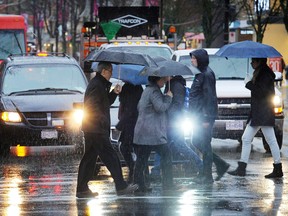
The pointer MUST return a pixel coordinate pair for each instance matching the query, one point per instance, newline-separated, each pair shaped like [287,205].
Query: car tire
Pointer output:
[279,138]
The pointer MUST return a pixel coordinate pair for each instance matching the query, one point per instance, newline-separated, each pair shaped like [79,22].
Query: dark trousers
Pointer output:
[143,152]
[202,138]
[99,145]
[126,149]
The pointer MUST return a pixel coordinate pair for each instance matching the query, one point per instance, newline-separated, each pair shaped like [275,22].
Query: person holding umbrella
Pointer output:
[96,128]
[127,114]
[176,114]
[150,132]
[204,109]
[261,117]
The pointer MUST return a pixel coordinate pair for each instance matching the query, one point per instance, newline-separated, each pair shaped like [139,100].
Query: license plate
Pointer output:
[234,125]
[49,134]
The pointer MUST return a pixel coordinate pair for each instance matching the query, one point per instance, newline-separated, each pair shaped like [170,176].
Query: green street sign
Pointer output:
[110,29]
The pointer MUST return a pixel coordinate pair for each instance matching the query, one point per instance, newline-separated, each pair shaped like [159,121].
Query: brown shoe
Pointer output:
[128,190]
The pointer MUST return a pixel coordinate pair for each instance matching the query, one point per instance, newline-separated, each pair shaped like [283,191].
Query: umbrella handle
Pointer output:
[119,70]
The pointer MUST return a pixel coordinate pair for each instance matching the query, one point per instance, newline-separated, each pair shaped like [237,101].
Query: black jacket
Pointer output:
[203,98]
[262,93]
[97,101]
[128,113]
[177,87]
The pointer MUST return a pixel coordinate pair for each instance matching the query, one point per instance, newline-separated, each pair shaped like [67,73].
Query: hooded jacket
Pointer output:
[262,93]
[203,98]
[177,87]
[97,101]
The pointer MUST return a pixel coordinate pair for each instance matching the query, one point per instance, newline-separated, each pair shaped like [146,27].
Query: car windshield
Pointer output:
[231,68]
[44,76]
[149,50]
[12,42]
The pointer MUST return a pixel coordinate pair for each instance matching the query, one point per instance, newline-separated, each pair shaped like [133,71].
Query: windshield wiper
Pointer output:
[5,51]
[45,89]
[18,43]
[231,78]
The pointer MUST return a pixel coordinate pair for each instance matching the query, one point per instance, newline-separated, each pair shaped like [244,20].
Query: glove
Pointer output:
[247,78]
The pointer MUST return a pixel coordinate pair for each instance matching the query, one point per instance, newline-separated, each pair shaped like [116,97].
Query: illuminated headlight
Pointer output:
[10,117]
[78,116]
[277,101]
[186,126]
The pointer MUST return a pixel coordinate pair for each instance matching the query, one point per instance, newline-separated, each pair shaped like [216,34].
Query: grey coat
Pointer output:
[151,125]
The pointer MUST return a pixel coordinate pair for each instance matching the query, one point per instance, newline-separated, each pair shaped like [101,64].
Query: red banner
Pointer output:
[152,3]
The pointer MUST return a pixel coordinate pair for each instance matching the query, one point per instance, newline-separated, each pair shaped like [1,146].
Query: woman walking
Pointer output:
[261,117]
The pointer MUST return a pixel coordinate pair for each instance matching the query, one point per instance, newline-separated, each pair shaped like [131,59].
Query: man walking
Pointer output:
[96,128]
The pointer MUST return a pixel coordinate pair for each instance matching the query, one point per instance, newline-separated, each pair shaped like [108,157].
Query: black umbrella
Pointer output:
[121,57]
[168,67]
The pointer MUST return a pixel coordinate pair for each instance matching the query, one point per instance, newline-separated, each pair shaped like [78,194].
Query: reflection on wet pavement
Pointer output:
[45,185]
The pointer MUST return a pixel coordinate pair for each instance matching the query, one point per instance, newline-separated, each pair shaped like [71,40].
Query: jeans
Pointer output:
[156,165]
[179,146]
[202,137]
[269,134]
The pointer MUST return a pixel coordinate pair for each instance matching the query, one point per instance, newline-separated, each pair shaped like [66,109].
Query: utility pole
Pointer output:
[226,22]
[91,10]
[56,27]
[161,18]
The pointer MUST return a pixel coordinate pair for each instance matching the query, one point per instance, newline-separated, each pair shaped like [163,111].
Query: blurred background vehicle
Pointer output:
[13,35]
[41,102]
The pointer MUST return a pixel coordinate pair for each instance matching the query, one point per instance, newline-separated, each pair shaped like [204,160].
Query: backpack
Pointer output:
[186,100]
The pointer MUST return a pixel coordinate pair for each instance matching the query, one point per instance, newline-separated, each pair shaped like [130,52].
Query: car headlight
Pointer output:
[186,126]
[78,116]
[11,117]
[277,101]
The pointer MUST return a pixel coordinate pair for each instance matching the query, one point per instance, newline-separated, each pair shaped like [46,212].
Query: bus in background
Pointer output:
[13,38]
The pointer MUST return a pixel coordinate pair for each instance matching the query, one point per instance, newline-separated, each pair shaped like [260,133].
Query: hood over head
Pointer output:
[178,78]
[202,58]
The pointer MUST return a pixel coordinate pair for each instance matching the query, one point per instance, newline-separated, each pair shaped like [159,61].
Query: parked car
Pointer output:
[41,102]
[233,97]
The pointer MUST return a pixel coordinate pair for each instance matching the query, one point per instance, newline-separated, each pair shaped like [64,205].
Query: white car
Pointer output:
[151,48]
[233,97]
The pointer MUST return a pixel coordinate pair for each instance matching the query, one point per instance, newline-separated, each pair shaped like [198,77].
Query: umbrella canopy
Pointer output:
[121,57]
[248,49]
[127,73]
[168,67]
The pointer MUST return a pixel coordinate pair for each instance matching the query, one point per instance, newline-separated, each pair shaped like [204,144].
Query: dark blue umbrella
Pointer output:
[127,73]
[247,49]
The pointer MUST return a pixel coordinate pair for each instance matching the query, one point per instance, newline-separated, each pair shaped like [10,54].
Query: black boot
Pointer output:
[240,171]
[277,171]
[221,170]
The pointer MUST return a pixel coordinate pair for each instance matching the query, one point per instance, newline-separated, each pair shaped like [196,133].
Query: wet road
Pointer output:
[45,185]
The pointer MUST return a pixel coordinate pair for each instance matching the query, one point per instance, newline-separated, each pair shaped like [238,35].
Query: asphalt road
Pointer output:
[45,185]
